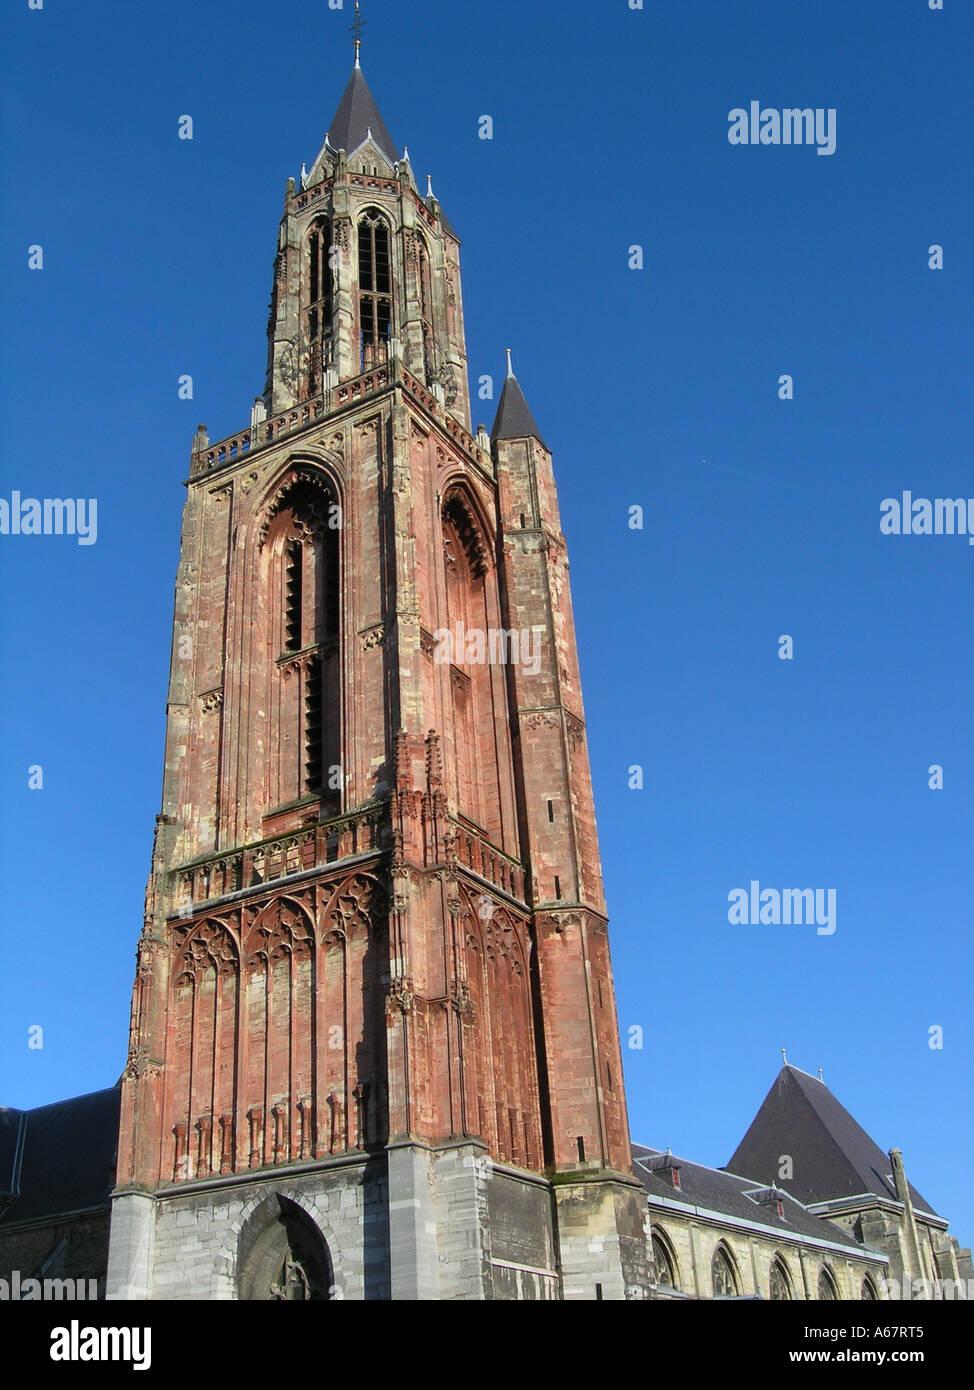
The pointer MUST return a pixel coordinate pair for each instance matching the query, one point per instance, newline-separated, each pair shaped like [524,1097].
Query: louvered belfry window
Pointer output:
[293,596]
[320,291]
[319,280]
[375,289]
[304,701]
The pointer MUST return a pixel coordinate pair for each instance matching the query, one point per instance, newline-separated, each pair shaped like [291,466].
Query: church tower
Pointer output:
[374,1050]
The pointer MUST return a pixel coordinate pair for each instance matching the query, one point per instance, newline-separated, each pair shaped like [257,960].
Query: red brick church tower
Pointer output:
[374,1050]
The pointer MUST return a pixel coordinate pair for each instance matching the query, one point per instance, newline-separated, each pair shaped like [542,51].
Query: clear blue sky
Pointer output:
[656,387]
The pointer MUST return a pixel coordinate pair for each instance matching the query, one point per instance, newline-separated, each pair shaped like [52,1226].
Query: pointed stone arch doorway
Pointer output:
[286,1258]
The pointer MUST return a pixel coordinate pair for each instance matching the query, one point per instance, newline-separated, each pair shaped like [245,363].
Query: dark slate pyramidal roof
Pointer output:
[833,1156]
[358,114]
[514,419]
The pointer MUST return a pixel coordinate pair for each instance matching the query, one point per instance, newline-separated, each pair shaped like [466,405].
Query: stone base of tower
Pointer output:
[413,1223]
[465,1228]
[130,1246]
[603,1245]
[213,1239]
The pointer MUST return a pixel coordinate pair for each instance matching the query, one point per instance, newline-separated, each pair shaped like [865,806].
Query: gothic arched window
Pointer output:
[665,1263]
[722,1274]
[465,556]
[303,614]
[780,1283]
[826,1286]
[320,289]
[375,288]
[868,1292]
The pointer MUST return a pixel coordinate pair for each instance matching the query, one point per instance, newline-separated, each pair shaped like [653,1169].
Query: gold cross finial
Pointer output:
[356,29]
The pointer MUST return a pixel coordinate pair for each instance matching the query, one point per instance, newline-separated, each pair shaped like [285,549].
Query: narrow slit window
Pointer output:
[426,309]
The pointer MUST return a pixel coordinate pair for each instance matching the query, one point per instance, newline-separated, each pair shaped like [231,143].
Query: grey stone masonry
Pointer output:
[185,1243]
[413,1223]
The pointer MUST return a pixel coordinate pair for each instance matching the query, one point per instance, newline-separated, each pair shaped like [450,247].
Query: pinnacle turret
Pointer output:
[514,419]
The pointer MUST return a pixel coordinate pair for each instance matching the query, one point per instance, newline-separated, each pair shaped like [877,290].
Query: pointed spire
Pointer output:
[514,419]
[358,118]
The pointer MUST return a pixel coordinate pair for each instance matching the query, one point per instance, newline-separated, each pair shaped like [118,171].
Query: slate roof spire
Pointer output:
[514,419]
[357,118]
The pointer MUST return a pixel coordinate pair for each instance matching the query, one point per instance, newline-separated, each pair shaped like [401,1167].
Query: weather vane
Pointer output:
[356,29]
